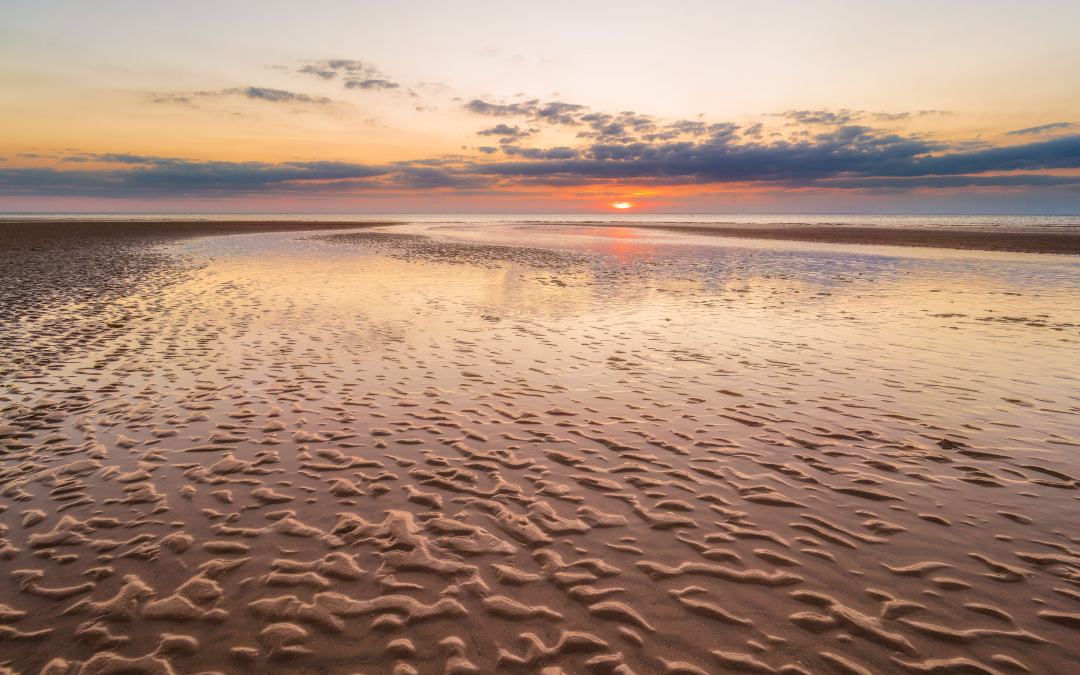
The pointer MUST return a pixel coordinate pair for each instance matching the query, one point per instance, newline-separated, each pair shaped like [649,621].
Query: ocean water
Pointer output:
[768,219]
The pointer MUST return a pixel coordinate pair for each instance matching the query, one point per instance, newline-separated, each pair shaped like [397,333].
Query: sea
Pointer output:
[719,219]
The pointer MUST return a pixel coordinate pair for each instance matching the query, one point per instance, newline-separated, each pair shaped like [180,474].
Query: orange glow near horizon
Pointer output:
[622,205]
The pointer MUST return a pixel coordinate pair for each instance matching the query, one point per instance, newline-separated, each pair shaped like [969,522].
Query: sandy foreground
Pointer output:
[442,449]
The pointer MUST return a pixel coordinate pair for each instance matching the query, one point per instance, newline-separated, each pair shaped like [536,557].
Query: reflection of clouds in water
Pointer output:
[785,290]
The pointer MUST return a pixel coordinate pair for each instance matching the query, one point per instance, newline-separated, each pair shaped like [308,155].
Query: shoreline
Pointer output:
[13,231]
[1012,240]
[1051,240]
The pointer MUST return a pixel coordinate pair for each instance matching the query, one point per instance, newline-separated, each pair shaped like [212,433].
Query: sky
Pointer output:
[772,106]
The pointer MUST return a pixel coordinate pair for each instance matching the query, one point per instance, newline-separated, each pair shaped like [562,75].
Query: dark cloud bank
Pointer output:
[821,149]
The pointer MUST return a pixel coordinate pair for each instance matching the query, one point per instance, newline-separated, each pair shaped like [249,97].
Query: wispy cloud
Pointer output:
[898,117]
[821,117]
[938,182]
[252,93]
[1045,128]
[150,176]
[524,109]
[845,116]
[561,152]
[275,95]
[354,74]
[329,69]
[371,84]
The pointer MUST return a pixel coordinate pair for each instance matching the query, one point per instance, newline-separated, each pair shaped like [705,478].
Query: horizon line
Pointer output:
[529,213]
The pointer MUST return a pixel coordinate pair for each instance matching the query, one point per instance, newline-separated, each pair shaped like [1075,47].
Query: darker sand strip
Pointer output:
[1060,240]
[42,232]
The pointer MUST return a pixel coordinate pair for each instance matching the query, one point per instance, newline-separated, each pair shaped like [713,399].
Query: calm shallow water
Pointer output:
[600,449]
[879,220]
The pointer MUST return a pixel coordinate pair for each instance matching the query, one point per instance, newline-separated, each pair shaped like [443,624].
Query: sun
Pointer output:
[622,205]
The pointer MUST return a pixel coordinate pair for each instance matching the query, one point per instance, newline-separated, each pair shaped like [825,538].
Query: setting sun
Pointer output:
[622,205]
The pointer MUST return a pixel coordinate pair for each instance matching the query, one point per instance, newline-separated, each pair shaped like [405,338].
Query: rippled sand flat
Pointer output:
[536,448]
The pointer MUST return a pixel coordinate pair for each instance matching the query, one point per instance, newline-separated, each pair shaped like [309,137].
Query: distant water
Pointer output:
[749,219]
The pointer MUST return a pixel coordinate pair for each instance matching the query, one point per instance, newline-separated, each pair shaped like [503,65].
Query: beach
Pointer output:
[1055,240]
[555,447]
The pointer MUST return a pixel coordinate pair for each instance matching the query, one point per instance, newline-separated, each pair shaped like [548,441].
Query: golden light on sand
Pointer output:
[622,205]
[623,318]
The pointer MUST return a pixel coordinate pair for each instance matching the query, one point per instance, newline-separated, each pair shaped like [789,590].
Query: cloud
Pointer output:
[821,117]
[555,112]
[275,95]
[558,112]
[330,68]
[114,158]
[166,176]
[150,176]
[624,124]
[1059,153]
[508,131]
[845,116]
[423,178]
[356,74]
[623,127]
[846,152]
[536,153]
[1056,126]
[433,87]
[899,117]
[526,109]
[251,93]
[371,84]
[754,130]
[173,98]
[613,149]
[938,182]
[891,117]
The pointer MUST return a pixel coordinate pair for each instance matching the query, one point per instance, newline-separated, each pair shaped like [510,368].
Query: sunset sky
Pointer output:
[430,106]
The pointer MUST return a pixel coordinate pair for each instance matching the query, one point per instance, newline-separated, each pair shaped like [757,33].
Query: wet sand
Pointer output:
[17,233]
[1061,240]
[400,450]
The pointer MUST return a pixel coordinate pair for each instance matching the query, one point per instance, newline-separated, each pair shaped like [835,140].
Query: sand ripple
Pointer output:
[395,454]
